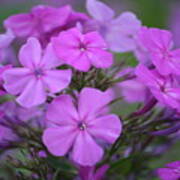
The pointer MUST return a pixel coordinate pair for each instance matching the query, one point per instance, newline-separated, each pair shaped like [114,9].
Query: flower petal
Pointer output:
[30,53]
[92,101]
[100,58]
[85,150]
[59,140]
[99,10]
[107,128]
[62,110]
[56,80]
[16,79]
[33,94]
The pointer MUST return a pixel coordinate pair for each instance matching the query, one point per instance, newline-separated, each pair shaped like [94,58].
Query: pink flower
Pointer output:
[159,43]
[37,77]
[119,32]
[77,127]
[170,172]
[41,19]
[164,89]
[82,50]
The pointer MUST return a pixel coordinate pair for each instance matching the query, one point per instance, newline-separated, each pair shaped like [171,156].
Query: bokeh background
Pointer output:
[154,13]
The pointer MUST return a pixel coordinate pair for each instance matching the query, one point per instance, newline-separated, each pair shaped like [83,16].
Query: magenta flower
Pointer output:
[37,77]
[82,50]
[79,127]
[41,19]
[119,32]
[170,172]
[159,43]
[164,89]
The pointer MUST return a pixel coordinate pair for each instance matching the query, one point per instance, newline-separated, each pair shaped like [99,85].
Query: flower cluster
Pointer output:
[62,85]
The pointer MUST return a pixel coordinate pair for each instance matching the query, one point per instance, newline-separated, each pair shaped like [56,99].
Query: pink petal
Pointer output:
[30,53]
[174,164]
[107,128]
[94,40]
[56,80]
[154,38]
[99,10]
[82,62]
[59,140]
[92,101]
[33,94]
[63,107]
[51,17]
[85,150]
[167,174]
[50,60]
[100,58]
[16,79]
[22,25]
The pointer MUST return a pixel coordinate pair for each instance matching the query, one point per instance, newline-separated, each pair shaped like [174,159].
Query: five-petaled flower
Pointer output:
[37,77]
[81,127]
[82,50]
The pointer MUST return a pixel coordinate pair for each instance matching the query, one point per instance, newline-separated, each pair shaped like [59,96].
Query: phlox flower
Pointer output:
[164,89]
[79,127]
[37,77]
[41,19]
[170,172]
[82,50]
[159,44]
[119,32]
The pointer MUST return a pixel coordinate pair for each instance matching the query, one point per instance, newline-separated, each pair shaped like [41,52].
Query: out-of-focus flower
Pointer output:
[82,50]
[163,88]
[131,88]
[89,173]
[37,77]
[159,43]
[80,126]
[170,172]
[40,20]
[119,32]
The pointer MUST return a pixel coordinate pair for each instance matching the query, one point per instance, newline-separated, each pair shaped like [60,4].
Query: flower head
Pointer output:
[159,44]
[37,77]
[119,32]
[79,127]
[163,88]
[82,50]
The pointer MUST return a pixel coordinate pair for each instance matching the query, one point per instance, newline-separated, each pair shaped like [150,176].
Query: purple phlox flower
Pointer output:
[119,32]
[132,88]
[164,89]
[82,50]
[41,19]
[170,172]
[89,173]
[5,41]
[159,44]
[37,77]
[81,126]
